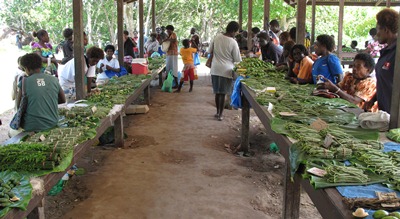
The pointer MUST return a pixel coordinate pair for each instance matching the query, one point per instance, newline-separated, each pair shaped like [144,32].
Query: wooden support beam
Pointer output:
[241,14]
[78,50]
[153,16]
[141,29]
[119,132]
[301,22]
[120,25]
[244,144]
[292,191]
[249,25]
[388,3]
[313,11]
[395,104]
[340,31]
[267,8]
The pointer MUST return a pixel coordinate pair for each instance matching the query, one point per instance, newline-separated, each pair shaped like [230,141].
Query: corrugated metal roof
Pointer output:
[349,2]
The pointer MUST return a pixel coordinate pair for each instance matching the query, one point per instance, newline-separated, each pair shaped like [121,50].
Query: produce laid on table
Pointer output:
[325,134]
[52,150]
[156,62]
[15,191]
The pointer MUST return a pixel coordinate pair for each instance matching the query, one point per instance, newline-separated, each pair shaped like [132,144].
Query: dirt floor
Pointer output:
[178,165]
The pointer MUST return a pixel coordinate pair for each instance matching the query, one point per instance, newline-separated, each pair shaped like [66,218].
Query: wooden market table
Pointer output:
[328,201]
[116,120]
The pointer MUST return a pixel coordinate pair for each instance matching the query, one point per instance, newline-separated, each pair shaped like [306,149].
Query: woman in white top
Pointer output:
[109,66]
[225,52]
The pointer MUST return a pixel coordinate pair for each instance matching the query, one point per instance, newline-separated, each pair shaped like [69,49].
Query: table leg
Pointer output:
[119,132]
[160,80]
[291,198]
[38,212]
[147,95]
[244,145]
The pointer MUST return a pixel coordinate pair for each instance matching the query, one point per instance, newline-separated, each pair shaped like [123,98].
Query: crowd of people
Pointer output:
[369,85]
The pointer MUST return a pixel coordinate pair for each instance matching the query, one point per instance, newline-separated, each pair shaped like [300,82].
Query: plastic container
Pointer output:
[139,66]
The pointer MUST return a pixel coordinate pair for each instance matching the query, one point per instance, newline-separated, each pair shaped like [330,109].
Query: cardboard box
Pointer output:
[136,109]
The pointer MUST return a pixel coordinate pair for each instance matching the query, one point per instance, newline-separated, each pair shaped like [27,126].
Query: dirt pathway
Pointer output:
[178,167]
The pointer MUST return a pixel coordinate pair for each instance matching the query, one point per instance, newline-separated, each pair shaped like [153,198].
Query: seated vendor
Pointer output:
[327,65]
[357,87]
[43,93]
[67,77]
[109,66]
[303,66]
[269,51]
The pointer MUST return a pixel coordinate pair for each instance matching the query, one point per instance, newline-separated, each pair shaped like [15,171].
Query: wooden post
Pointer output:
[249,25]
[388,3]
[340,31]
[267,8]
[241,15]
[78,50]
[291,198]
[394,109]
[120,25]
[301,22]
[244,144]
[141,29]
[153,16]
[146,94]
[313,9]
[119,132]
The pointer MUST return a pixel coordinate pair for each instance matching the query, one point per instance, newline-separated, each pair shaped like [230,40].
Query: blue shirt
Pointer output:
[328,66]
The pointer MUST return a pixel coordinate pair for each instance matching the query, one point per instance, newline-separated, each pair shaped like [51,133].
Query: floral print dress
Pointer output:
[45,53]
[362,88]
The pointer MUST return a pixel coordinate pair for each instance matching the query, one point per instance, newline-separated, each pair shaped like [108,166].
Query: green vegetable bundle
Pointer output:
[394,135]
[343,174]
[29,157]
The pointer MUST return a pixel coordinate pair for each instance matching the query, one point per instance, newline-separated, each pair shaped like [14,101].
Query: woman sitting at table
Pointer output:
[357,87]
[109,66]
[303,66]
[43,93]
[327,65]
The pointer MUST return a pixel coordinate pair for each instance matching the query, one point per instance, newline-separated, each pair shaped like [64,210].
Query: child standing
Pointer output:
[67,46]
[188,68]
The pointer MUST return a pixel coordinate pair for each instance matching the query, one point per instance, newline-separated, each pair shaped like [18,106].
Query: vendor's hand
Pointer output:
[108,67]
[368,105]
[293,80]
[330,86]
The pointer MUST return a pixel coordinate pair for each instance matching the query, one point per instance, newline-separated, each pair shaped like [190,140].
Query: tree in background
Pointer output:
[207,16]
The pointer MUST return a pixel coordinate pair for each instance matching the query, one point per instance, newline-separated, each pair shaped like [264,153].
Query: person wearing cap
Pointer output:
[269,51]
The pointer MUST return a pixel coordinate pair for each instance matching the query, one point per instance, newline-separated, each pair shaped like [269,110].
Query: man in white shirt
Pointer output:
[67,76]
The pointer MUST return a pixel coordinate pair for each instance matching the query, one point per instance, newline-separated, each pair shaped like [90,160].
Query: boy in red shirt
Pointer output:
[188,68]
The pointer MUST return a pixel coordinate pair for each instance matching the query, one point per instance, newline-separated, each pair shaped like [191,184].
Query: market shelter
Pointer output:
[301,16]
[62,146]
[322,143]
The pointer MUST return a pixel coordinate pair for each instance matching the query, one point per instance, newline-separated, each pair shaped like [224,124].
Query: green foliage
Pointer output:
[207,16]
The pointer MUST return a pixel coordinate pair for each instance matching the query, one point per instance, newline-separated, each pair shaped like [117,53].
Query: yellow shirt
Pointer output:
[187,55]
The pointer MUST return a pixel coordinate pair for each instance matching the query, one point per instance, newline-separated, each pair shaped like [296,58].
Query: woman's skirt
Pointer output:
[221,85]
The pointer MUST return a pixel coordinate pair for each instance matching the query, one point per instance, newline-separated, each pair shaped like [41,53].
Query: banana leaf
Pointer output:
[320,182]
[22,191]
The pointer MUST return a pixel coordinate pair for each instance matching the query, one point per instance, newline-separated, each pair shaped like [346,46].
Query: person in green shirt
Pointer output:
[43,92]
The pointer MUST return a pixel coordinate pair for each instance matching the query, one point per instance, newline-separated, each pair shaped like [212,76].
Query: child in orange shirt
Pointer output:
[188,68]
[303,67]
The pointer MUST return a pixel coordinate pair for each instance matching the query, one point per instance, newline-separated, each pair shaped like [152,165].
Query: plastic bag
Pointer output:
[196,59]
[236,98]
[155,54]
[167,85]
